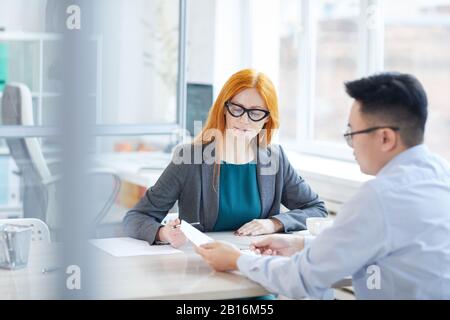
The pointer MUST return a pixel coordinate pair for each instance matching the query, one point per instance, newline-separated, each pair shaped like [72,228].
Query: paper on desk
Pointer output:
[195,236]
[127,247]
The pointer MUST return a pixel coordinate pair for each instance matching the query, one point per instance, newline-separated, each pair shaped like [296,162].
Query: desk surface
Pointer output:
[30,282]
[178,276]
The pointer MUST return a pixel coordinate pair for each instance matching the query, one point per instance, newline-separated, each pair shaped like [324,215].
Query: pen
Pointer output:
[50,269]
[178,225]
[192,224]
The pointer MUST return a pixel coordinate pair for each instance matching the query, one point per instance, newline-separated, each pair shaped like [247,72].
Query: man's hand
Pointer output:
[172,233]
[219,255]
[260,226]
[278,244]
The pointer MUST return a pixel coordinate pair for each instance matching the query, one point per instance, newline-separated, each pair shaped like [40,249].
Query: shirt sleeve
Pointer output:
[308,240]
[357,237]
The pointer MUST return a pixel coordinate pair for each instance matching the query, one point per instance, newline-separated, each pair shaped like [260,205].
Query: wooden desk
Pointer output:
[178,276]
[30,283]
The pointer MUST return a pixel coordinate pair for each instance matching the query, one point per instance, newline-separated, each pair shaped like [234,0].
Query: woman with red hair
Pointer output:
[231,177]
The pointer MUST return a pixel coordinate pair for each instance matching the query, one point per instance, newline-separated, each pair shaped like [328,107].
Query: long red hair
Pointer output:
[215,123]
[241,80]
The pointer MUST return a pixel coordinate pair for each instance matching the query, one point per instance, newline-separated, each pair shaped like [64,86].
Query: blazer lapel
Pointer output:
[266,183]
[210,197]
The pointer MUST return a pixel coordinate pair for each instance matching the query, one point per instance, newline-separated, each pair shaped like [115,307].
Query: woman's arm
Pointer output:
[144,220]
[298,197]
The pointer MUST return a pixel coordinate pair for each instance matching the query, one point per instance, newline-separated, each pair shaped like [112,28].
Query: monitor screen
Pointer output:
[199,101]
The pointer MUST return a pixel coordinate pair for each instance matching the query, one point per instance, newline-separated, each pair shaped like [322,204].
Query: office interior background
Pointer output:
[159,65]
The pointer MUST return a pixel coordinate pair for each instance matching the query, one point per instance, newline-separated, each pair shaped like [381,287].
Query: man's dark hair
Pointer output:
[393,99]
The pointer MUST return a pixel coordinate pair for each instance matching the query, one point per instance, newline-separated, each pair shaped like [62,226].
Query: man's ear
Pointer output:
[389,139]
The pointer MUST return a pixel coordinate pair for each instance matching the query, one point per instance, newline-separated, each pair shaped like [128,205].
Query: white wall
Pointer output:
[200,40]
[23,15]
[265,37]
[231,45]
[139,56]
[246,36]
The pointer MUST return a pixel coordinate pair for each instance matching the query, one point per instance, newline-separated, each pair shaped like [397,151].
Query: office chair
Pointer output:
[38,185]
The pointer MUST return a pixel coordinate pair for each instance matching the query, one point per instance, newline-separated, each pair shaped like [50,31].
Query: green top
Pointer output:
[239,200]
[3,65]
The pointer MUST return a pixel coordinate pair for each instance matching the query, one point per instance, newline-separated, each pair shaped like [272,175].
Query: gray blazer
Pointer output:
[192,186]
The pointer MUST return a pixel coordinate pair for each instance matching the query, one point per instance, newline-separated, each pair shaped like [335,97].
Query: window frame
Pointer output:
[370,60]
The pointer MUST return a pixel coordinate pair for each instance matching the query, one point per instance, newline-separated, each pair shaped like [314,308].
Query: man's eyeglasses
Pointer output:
[348,134]
[238,111]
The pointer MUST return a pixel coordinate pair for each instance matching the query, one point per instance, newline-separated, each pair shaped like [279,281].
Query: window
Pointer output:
[291,69]
[319,49]
[139,62]
[308,49]
[417,41]
[336,62]
[324,43]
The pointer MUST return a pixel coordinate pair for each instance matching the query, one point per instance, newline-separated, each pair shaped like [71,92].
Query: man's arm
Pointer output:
[357,237]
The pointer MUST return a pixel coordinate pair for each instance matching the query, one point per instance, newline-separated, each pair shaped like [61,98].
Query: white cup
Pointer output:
[316,225]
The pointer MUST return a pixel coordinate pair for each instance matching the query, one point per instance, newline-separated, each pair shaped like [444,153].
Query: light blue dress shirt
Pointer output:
[392,237]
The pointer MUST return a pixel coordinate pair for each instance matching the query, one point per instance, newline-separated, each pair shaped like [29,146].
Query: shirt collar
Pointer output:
[404,157]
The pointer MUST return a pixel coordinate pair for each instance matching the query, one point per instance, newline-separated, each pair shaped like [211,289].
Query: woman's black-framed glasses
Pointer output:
[348,134]
[238,111]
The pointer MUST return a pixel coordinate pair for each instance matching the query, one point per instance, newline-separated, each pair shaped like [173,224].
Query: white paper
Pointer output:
[194,235]
[128,247]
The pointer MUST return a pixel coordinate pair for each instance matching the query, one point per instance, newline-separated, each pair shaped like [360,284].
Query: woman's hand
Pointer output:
[260,226]
[172,234]
[278,244]
[219,255]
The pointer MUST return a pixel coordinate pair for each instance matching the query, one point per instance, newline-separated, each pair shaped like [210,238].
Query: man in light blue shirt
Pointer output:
[393,236]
